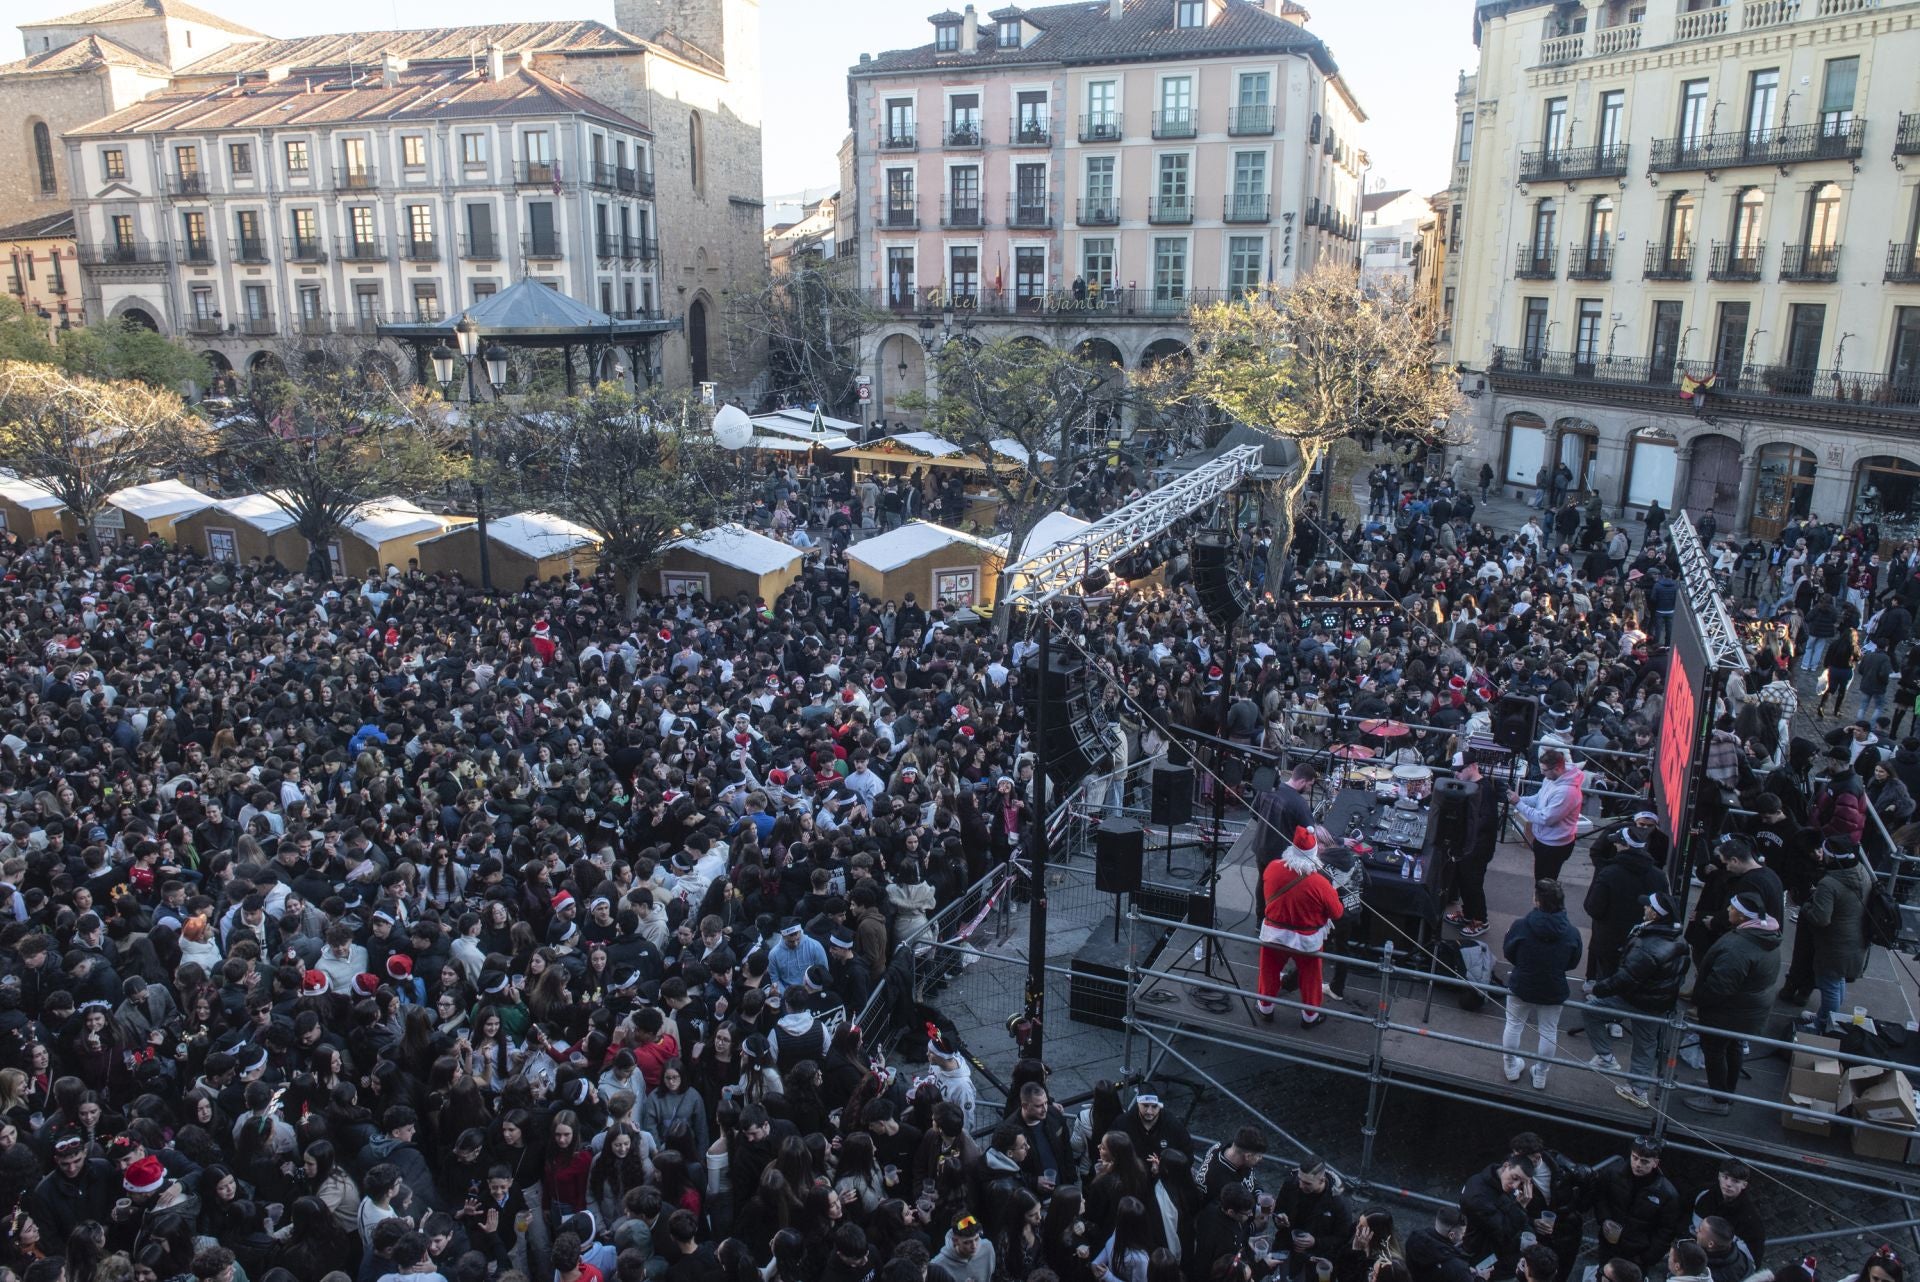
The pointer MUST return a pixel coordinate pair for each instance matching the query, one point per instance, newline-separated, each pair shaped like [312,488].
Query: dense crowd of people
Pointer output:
[357,930]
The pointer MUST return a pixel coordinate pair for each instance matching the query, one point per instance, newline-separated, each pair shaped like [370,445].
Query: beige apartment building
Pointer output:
[1662,197]
[1085,173]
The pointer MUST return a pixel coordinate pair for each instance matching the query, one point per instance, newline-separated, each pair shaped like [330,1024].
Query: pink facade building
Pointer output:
[1084,173]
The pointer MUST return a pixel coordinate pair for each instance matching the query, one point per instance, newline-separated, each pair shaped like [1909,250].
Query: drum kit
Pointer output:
[1349,755]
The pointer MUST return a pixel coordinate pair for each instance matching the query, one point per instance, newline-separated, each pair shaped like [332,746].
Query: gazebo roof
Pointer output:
[529,313]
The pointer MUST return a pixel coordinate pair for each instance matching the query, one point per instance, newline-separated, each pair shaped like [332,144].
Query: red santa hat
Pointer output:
[540,627]
[1214,672]
[399,966]
[315,984]
[562,899]
[961,712]
[1303,850]
[367,984]
[966,732]
[773,680]
[879,685]
[778,778]
[666,634]
[1456,683]
[144,1176]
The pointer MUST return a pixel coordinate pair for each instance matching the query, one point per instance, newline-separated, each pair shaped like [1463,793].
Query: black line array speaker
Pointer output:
[1516,721]
[1172,793]
[1119,848]
[1076,739]
[1219,580]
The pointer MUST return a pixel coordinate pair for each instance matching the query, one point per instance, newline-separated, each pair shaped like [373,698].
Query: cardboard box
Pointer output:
[1822,1124]
[1884,1147]
[1882,1095]
[1816,1072]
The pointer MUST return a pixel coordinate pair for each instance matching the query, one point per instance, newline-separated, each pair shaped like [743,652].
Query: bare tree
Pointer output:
[1317,361]
[83,438]
[814,318]
[328,435]
[637,471]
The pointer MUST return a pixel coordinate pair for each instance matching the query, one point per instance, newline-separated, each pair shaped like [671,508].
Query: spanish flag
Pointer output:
[1691,387]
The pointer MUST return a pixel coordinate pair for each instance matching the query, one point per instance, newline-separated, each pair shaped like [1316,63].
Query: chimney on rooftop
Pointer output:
[496,63]
[390,69]
[1115,8]
[969,31]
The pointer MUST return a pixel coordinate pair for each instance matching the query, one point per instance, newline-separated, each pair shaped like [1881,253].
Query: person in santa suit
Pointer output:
[544,646]
[1298,908]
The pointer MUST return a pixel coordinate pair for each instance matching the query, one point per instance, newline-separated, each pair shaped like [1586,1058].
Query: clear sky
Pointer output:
[1400,57]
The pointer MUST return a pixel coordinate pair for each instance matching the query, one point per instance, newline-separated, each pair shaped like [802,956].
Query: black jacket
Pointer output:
[1651,969]
[1647,1210]
[1738,975]
[1495,1219]
[1432,1257]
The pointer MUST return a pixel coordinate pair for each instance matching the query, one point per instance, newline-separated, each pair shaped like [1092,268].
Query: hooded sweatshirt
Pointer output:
[979,1268]
[1554,810]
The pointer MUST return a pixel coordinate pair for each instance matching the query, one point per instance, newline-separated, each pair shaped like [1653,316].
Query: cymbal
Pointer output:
[1353,751]
[1385,729]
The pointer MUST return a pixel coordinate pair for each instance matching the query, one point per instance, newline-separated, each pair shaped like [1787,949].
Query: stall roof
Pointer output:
[534,534]
[392,517]
[30,495]
[895,548]
[798,425]
[264,512]
[938,449]
[159,500]
[741,548]
[804,418]
[1054,528]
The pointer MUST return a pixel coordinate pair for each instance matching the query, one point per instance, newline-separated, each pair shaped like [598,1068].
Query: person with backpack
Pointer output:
[1299,908]
[1835,919]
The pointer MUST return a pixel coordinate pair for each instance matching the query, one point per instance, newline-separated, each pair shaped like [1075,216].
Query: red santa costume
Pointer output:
[1298,908]
[544,646]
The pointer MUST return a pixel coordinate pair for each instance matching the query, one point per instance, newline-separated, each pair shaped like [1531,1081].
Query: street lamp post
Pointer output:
[467,335]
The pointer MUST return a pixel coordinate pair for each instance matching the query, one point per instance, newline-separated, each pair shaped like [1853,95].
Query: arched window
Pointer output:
[697,153]
[43,157]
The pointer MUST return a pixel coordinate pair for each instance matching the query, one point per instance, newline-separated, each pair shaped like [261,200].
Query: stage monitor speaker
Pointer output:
[1172,791]
[1451,800]
[1097,986]
[1219,580]
[1516,721]
[1119,847]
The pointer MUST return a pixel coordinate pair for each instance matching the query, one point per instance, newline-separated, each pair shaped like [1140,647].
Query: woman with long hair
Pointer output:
[329,1182]
[316,1245]
[672,1102]
[621,1167]
[805,1108]
[672,1175]
[856,1169]
[569,1161]
[1118,1175]
[1124,1257]
[1020,1247]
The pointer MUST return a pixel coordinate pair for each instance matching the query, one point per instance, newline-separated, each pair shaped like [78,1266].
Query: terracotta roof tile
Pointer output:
[42,228]
[83,55]
[439,44]
[133,10]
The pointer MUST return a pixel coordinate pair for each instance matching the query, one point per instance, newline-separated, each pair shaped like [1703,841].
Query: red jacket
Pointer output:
[1307,905]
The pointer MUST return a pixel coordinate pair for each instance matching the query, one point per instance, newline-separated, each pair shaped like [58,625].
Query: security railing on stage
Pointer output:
[1402,1048]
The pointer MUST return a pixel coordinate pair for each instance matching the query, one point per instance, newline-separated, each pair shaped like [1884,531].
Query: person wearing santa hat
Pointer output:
[1298,909]
[544,646]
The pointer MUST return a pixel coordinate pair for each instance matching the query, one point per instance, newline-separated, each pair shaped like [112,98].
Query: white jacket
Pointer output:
[1554,810]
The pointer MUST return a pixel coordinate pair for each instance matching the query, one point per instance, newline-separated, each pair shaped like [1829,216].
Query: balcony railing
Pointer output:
[1101,126]
[482,246]
[903,214]
[1613,40]
[1810,263]
[1247,122]
[1032,133]
[135,253]
[1729,261]
[606,245]
[1110,304]
[1176,123]
[257,326]
[1828,394]
[639,249]
[538,173]
[1097,213]
[194,251]
[541,245]
[1906,142]
[192,186]
[968,213]
[1557,51]
[206,326]
[300,249]
[963,133]
[1668,262]
[1558,164]
[313,326]
[1768,13]
[635,182]
[1903,264]
[1702,24]
[1029,212]
[367,321]
[1170,209]
[363,250]
[248,249]
[1245,208]
[1786,145]
[1534,262]
[1590,262]
[904,137]
[355,179]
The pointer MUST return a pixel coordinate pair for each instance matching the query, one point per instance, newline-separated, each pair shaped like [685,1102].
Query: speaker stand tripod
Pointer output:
[1208,947]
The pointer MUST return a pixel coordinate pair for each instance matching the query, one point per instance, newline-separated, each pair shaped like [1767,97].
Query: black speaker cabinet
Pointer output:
[1451,800]
[1097,984]
[1516,721]
[1172,802]
[1219,581]
[1074,741]
[1119,846]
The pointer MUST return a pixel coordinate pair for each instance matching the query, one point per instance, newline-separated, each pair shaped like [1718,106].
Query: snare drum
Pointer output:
[1413,782]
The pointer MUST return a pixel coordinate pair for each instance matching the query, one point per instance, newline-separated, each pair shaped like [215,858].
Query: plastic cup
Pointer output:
[1049,1176]
[1859,1016]
[1323,1270]
[892,1176]
[1261,1246]
[1547,1218]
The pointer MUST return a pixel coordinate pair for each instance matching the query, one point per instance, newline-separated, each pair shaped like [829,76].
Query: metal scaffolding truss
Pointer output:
[1039,579]
[1725,651]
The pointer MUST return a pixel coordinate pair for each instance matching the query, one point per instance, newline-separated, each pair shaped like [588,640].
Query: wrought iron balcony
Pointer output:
[1906,142]
[1178,122]
[1903,264]
[257,326]
[902,137]
[967,213]
[1534,262]
[1170,209]
[1810,263]
[313,326]
[248,249]
[301,249]
[1785,145]
[206,326]
[1032,133]
[1029,212]
[639,249]
[963,134]
[357,178]
[1590,261]
[367,249]
[1097,213]
[1101,126]
[541,244]
[606,245]
[420,249]
[903,214]
[1248,122]
[1095,305]
[1668,262]
[1736,262]
[484,246]
[134,253]
[194,251]
[1565,164]
[193,186]
[538,173]
[1246,208]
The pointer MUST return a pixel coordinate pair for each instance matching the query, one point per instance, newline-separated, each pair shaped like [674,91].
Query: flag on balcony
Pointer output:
[1692,388]
[556,178]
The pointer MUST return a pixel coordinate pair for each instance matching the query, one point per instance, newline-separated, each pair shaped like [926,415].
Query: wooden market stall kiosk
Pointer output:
[904,452]
[29,509]
[938,565]
[791,431]
[386,531]
[728,561]
[526,545]
[245,528]
[139,510]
